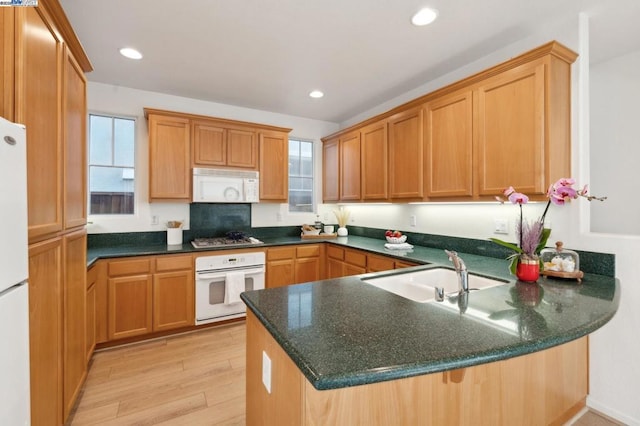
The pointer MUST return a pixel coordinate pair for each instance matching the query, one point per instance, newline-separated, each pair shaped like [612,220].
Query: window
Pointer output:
[111,164]
[301,185]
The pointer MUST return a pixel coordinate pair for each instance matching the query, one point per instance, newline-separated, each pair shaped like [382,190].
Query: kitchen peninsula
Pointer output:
[343,352]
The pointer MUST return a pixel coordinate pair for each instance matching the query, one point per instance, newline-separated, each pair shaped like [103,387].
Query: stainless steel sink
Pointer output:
[419,286]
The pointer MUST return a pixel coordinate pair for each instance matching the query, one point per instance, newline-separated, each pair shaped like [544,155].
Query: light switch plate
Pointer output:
[266,371]
[500,226]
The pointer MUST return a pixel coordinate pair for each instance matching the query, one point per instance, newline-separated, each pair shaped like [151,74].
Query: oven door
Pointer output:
[210,292]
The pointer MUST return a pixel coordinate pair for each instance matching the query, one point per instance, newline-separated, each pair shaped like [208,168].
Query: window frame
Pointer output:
[314,175]
[113,116]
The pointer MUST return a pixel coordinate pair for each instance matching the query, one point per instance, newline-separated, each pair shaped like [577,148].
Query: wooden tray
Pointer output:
[577,275]
[318,237]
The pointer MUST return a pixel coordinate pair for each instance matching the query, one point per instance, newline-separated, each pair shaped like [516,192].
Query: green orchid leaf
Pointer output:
[546,232]
[507,245]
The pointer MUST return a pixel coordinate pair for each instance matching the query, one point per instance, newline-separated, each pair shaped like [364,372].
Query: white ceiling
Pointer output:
[269,54]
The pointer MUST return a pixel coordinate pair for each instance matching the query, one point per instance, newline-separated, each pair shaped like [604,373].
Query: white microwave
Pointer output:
[225,186]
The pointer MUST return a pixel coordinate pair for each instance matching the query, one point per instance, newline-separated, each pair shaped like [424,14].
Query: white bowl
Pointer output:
[397,240]
[313,232]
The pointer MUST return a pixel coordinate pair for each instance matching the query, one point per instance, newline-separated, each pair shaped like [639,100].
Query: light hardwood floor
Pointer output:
[191,379]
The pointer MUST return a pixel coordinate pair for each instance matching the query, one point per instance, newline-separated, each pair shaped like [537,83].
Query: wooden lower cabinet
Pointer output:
[546,387]
[146,295]
[173,300]
[293,265]
[74,316]
[90,343]
[45,331]
[130,306]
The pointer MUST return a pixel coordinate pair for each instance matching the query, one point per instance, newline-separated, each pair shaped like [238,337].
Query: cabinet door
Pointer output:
[373,139]
[350,166]
[448,140]
[307,269]
[38,100]
[173,300]
[510,126]
[331,170]
[130,306]
[75,150]
[92,279]
[209,144]
[45,331]
[74,318]
[280,273]
[335,268]
[406,154]
[379,263]
[274,166]
[242,148]
[169,162]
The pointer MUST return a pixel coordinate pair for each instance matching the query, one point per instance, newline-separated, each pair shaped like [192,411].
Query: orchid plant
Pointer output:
[532,235]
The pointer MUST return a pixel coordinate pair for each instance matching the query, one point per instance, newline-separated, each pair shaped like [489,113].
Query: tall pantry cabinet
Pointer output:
[44,87]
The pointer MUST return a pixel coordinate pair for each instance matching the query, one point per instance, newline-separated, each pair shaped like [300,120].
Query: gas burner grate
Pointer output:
[224,241]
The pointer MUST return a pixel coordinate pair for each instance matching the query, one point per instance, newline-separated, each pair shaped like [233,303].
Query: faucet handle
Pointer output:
[458,263]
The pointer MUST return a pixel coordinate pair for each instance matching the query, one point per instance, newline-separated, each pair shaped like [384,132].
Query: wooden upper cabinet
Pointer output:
[242,148]
[448,137]
[510,126]
[274,166]
[350,167]
[74,110]
[374,161]
[406,161]
[216,144]
[331,170]
[209,144]
[523,125]
[169,163]
[38,106]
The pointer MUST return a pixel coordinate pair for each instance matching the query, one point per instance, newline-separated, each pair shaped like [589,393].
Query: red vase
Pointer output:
[528,270]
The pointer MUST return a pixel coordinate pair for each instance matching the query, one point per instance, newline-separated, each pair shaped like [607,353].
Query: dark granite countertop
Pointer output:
[343,332]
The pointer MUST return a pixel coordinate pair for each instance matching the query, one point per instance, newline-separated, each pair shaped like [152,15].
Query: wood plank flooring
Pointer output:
[190,379]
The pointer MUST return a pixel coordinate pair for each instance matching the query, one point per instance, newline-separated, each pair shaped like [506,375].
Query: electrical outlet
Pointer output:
[279,217]
[352,218]
[155,220]
[500,226]
[412,220]
[266,371]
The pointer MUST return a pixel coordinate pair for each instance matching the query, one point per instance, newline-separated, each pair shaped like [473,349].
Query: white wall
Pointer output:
[614,94]
[130,102]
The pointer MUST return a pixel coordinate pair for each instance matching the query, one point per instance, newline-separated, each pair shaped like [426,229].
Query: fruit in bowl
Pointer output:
[310,230]
[395,237]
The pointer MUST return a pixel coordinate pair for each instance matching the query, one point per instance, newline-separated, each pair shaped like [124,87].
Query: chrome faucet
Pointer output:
[461,270]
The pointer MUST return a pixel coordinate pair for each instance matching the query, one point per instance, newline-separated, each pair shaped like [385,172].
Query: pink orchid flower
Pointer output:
[518,198]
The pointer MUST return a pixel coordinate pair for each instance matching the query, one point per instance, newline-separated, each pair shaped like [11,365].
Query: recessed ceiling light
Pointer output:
[131,53]
[424,17]
[316,94]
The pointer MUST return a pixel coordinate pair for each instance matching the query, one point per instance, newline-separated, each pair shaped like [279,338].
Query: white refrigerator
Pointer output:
[14,269]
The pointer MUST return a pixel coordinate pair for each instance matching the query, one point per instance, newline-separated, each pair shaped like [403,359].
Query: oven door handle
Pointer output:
[223,274]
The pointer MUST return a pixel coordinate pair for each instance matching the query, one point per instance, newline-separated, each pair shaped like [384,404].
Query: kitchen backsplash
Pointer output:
[214,220]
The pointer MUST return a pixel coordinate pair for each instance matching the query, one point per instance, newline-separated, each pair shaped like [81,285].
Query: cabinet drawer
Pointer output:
[400,265]
[335,252]
[376,263]
[355,258]
[308,251]
[281,253]
[172,263]
[129,267]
